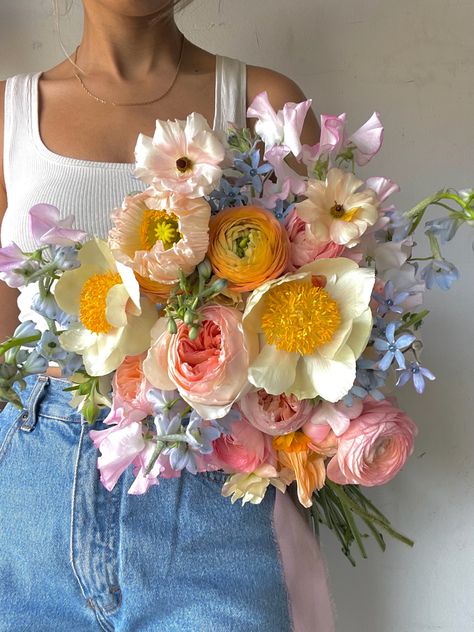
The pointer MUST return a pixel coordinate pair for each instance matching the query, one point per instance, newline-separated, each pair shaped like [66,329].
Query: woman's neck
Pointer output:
[127,48]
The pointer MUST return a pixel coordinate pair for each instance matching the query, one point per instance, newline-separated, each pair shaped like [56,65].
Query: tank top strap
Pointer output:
[17,128]
[231,92]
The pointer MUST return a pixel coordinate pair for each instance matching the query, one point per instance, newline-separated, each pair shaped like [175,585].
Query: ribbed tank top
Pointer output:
[87,189]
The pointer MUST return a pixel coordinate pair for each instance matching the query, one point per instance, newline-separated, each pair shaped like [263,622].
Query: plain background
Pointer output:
[413,62]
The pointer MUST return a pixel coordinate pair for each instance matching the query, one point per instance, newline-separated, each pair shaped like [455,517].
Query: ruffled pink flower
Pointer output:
[183,157]
[209,372]
[12,261]
[244,449]
[287,177]
[304,247]
[375,447]
[275,414]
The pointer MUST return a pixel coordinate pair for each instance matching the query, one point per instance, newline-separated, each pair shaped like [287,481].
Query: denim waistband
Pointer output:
[46,396]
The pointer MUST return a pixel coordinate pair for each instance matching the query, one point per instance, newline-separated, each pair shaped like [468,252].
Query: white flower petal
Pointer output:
[332,378]
[353,291]
[273,370]
[117,299]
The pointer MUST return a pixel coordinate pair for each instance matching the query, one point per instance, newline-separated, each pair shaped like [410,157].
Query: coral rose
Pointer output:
[375,447]
[209,372]
[247,246]
[244,449]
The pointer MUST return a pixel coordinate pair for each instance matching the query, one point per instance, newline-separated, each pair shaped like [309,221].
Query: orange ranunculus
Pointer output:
[308,467]
[247,246]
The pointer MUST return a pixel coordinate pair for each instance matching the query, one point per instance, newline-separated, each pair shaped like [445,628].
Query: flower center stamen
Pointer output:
[159,226]
[339,212]
[298,317]
[184,164]
[93,301]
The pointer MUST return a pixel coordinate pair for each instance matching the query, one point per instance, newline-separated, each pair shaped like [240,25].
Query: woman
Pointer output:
[181,557]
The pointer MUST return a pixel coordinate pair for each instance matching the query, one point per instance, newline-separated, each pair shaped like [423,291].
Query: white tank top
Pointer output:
[87,189]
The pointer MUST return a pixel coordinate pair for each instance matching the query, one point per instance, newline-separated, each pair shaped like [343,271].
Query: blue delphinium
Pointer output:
[399,226]
[49,347]
[252,171]
[444,228]
[417,373]
[392,347]
[390,301]
[443,273]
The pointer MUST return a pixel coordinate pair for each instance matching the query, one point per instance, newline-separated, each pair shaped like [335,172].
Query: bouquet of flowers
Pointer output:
[241,316]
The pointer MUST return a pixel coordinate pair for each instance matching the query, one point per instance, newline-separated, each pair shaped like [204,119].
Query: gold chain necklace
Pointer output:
[104,102]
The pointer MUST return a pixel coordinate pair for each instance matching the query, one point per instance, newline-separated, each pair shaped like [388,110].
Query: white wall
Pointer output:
[412,61]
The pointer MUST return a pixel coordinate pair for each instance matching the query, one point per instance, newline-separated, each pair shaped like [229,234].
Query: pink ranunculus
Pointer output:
[304,247]
[244,449]
[375,447]
[209,372]
[275,414]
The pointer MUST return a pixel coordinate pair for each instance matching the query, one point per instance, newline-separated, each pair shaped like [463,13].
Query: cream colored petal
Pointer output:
[77,338]
[155,365]
[343,233]
[353,291]
[360,333]
[273,370]
[130,282]
[303,386]
[117,299]
[332,378]
[330,267]
[137,334]
[97,253]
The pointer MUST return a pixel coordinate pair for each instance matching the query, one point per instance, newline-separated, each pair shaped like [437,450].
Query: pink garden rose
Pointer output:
[130,383]
[375,447]
[275,414]
[304,247]
[243,450]
[209,372]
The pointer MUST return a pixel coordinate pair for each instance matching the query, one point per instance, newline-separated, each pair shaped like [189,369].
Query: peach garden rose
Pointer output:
[209,372]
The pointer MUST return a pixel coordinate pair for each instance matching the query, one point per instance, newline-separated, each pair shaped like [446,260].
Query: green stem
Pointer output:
[156,453]
[17,342]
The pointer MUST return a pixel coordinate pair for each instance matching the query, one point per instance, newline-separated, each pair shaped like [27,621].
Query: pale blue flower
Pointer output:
[392,347]
[417,373]
[49,347]
[444,228]
[34,363]
[440,272]
[390,301]
[252,171]
[227,196]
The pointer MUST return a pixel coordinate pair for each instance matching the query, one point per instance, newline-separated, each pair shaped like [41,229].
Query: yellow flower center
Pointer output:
[184,164]
[339,212]
[159,226]
[298,317]
[292,442]
[93,301]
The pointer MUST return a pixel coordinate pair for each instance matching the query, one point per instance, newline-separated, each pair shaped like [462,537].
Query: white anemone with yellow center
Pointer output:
[312,326]
[340,209]
[159,235]
[114,320]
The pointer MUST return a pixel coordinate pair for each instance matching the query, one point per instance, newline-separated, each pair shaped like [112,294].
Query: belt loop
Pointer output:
[28,415]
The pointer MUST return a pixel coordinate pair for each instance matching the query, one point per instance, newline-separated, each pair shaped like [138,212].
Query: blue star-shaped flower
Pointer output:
[252,172]
[393,348]
[417,373]
[390,301]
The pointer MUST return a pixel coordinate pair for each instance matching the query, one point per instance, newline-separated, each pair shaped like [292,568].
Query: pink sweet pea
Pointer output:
[279,128]
[286,175]
[375,446]
[334,140]
[12,260]
[327,416]
[47,228]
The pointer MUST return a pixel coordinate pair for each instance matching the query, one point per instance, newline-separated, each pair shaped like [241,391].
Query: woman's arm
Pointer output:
[8,296]
[281,90]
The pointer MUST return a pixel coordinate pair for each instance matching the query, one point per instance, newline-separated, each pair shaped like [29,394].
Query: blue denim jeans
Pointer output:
[73,556]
